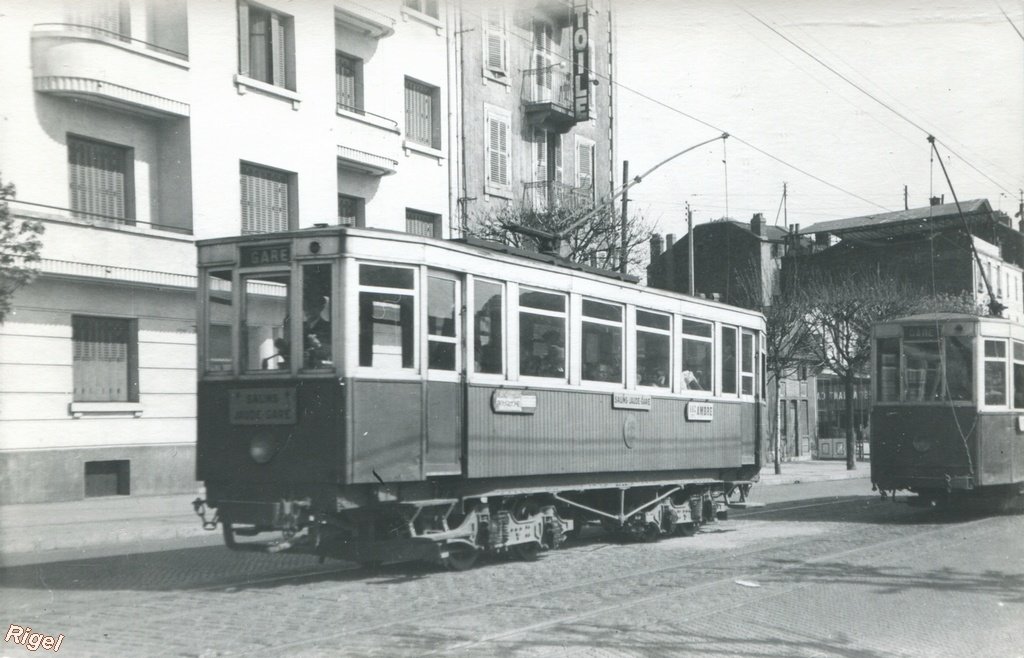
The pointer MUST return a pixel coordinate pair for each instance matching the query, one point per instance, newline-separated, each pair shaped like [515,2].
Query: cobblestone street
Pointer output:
[823,573]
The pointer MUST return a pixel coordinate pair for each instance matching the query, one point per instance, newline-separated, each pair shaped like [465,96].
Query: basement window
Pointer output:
[107,478]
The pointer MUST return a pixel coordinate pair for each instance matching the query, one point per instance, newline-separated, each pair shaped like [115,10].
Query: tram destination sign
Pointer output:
[921,332]
[266,254]
[700,411]
[637,401]
[261,406]
[504,401]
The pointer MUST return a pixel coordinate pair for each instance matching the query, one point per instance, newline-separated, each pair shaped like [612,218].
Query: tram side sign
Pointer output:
[581,60]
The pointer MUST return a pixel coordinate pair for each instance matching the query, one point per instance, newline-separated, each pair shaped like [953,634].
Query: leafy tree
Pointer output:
[20,245]
[597,242]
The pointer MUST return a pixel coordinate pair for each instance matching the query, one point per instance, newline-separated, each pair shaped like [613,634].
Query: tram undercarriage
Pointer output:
[455,532]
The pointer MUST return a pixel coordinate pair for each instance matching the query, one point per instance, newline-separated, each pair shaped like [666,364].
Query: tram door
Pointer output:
[444,397]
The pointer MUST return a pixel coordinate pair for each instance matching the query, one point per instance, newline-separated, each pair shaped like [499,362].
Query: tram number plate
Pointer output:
[700,411]
[513,402]
[262,406]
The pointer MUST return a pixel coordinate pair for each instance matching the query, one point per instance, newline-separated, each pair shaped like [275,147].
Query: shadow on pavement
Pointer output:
[860,509]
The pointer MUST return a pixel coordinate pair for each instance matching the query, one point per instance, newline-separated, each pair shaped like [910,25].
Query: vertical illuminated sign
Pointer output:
[581,60]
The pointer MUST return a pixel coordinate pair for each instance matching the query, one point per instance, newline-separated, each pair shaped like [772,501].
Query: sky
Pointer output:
[953,68]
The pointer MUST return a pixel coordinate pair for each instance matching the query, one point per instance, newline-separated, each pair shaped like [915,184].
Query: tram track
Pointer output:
[747,556]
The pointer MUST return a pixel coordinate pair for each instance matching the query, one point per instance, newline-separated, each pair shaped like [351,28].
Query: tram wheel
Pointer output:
[526,552]
[460,557]
[686,529]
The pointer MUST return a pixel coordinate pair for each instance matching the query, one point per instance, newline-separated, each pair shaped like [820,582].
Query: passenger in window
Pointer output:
[691,380]
[316,331]
[553,362]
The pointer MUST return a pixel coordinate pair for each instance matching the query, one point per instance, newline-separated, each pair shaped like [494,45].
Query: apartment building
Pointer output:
[132,128]
[536,128]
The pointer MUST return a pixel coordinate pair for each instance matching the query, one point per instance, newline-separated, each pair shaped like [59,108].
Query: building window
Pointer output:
[427,224]
[266,199]
[111,17]
[495,42]
[585,165]
[108,478]
[422,113]
[497,147]
[101,179]
[602,342]
[348,82]
[351,210]
[428,7]
[105,359]
[266,51]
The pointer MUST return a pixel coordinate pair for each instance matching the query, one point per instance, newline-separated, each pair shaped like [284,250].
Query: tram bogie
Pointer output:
[947,420]
[366,402]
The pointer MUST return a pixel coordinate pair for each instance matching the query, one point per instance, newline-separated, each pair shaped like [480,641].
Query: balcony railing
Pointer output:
[363,161]
[30,210]
[101,33]
[376,119]
[550,194]
[547,97]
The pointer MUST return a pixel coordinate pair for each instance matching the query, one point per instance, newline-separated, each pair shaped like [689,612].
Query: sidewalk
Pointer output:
[138,524]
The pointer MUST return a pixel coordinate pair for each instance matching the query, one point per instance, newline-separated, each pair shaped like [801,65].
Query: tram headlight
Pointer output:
[262,449]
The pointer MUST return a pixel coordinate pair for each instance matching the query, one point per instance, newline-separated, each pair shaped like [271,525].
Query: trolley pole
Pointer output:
[624,228]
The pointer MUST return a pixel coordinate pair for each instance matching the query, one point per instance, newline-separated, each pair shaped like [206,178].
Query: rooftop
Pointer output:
[893,223]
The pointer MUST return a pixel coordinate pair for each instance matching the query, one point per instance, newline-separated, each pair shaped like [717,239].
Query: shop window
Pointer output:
[602,342]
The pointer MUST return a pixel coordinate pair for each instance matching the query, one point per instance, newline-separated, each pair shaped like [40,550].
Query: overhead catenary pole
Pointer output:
[785,205]
[624,228]
[906,203]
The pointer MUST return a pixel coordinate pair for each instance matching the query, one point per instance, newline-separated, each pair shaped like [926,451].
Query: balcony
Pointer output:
[365,162]
[370,22]
[107,68]
[547,98]
[547,195]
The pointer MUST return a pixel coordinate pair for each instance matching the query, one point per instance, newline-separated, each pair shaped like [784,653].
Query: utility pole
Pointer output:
[624,228]
[906,206]
[785,206]
[689,248]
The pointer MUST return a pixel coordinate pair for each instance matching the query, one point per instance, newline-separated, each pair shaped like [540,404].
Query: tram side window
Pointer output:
[602,342]
[487,327]
[959,367]
[995,372]
[697,356]
[747,363]
[541,334]
[653,345]
[1018,375]
[888,370]
[219,313]
[386,316]
[317,334]
[265,322]
[728,360]
[923,372]
[441,338]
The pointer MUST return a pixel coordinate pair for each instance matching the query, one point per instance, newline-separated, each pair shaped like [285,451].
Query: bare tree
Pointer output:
[597,242]
[20,245]
[839,309]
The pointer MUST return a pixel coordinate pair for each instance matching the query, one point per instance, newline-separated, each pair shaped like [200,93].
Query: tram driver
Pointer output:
[316,331]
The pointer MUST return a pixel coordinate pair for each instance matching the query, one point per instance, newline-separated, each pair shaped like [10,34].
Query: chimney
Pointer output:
[757,224]
[934,201]
[655,245]
[670,239]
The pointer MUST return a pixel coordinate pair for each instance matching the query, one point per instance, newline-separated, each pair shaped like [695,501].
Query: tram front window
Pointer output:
[923,371]
[264,322]
[219,319]
[959,367]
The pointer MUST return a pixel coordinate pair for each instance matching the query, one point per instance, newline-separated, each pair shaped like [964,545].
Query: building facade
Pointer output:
[131,128]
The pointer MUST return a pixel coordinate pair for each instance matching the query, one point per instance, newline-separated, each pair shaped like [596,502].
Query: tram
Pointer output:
[947,421]
[380,396]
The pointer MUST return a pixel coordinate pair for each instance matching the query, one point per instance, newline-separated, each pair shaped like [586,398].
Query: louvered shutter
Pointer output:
[557,148]
[540,150]
[279,50]
[542,59]
[109,16]
[497,138]
[418,112]
[585,165]
[495,40]
[101,359]
[264,200]
[97,174]
[345,82]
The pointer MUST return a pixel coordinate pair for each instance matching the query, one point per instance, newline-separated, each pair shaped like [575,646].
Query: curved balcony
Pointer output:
[363,19]
[365,162]
[106,68]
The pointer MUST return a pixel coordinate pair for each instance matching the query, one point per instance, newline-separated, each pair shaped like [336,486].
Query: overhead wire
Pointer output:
[1010,21]
[867,93]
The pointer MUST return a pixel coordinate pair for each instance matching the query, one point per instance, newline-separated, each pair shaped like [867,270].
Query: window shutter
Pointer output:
[557,148]
[585,165]
[101,359]
[496,40]
[497,149]
[264,200]
[540,149]
[279,47]
[345,85]
[97,178]
[418,112]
